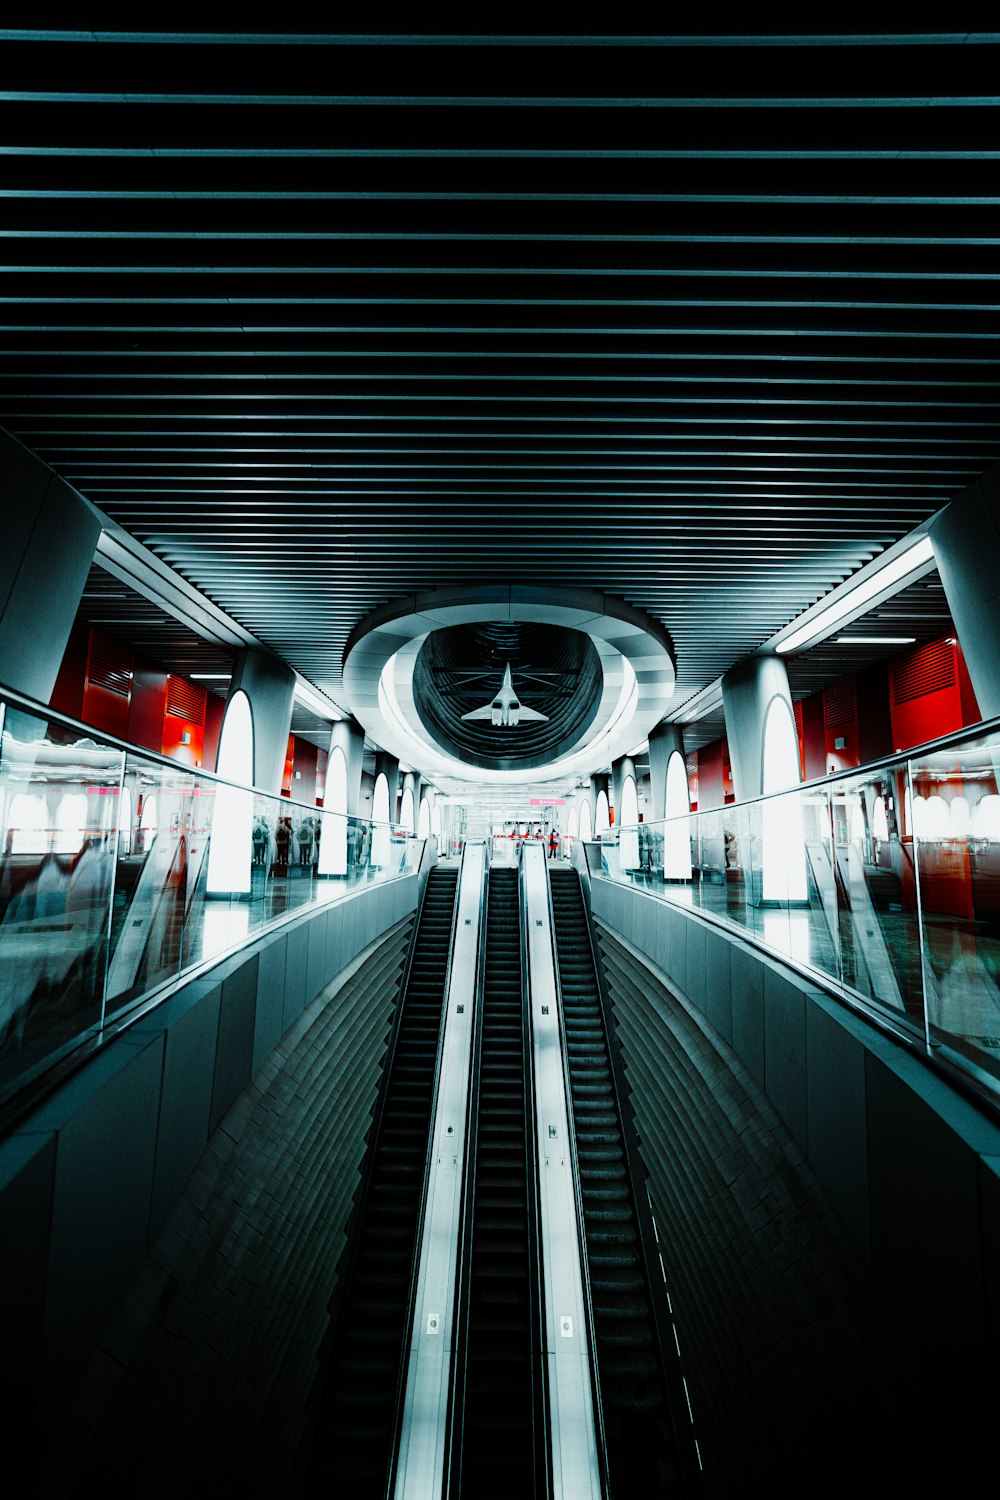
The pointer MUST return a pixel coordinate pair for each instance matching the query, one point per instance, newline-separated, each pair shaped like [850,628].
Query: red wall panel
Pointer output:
[711,791]
[812,742]
[303,781]
[67,695]
[149,698]
[925,698]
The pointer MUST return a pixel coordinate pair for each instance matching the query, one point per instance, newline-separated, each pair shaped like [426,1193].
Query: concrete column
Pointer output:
[598,784]
[621,770]
[388,766]
[269,683]
[347,735]
[748,691]
[663,741]
[966,540]
[50,535]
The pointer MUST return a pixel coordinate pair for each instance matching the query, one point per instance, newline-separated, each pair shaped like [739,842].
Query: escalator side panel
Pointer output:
[353,1448]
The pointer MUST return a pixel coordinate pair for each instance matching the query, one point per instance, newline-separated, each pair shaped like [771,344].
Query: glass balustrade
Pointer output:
[885,880]
[121,870]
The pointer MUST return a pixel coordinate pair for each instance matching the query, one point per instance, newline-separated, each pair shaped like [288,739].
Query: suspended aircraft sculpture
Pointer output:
[506,710]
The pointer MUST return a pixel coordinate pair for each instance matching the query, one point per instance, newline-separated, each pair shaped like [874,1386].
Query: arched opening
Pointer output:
[585,825]
[628,838]
[783,847]
[436,819]
[424,819]
[406,810]
[230,854]
[380,821]
[602,816]
[333,843]
[677,829]
[880,820]
[573,823]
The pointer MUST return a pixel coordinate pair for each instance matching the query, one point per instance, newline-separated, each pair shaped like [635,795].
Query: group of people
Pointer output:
[290,845]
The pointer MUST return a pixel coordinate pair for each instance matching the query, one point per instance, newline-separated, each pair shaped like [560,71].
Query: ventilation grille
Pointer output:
[924,671]
[185,700]
[797,710]
[109,666]
[840,703]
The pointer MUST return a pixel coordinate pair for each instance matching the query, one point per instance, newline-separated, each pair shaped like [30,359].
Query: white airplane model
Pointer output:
[506,710]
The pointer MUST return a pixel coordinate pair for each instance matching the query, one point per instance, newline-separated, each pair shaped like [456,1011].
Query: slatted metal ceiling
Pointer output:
[703,322]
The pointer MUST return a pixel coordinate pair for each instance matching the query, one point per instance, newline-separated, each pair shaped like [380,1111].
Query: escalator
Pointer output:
[352,1443]
[641,1449]
[498,1455]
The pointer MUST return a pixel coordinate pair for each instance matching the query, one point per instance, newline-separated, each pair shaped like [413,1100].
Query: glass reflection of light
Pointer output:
[125,822]
[788,932]
[71,823]
[148,823]
[961,818]
[986,817]
[28,834]
[224,924]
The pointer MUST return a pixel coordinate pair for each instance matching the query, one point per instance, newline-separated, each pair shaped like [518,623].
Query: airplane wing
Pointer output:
[486,712]
[525,714]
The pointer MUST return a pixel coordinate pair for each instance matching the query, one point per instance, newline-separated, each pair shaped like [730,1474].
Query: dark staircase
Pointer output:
[498,1455]
[641,1449]
[353,1446]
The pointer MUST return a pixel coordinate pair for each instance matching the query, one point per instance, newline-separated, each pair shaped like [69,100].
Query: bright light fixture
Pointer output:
[210,676]
[826,620]
[874,640]
[312,699]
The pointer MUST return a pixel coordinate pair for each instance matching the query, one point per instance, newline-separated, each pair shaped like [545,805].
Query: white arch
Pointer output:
[406,810]
[436,819]
[585,826]
[424,819]
[573,821]
[380,818]
[602,816]
[628,838]
[333,841]
[880,820]
[783,845]
[677,830]
[230,853]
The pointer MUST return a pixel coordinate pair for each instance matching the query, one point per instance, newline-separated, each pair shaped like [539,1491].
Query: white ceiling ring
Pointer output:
[635,652]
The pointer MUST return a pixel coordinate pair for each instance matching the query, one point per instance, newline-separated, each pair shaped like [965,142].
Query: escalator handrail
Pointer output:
[602,1452]
[399,1398]
[463,1286]
[539,1401]
[687,1457]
